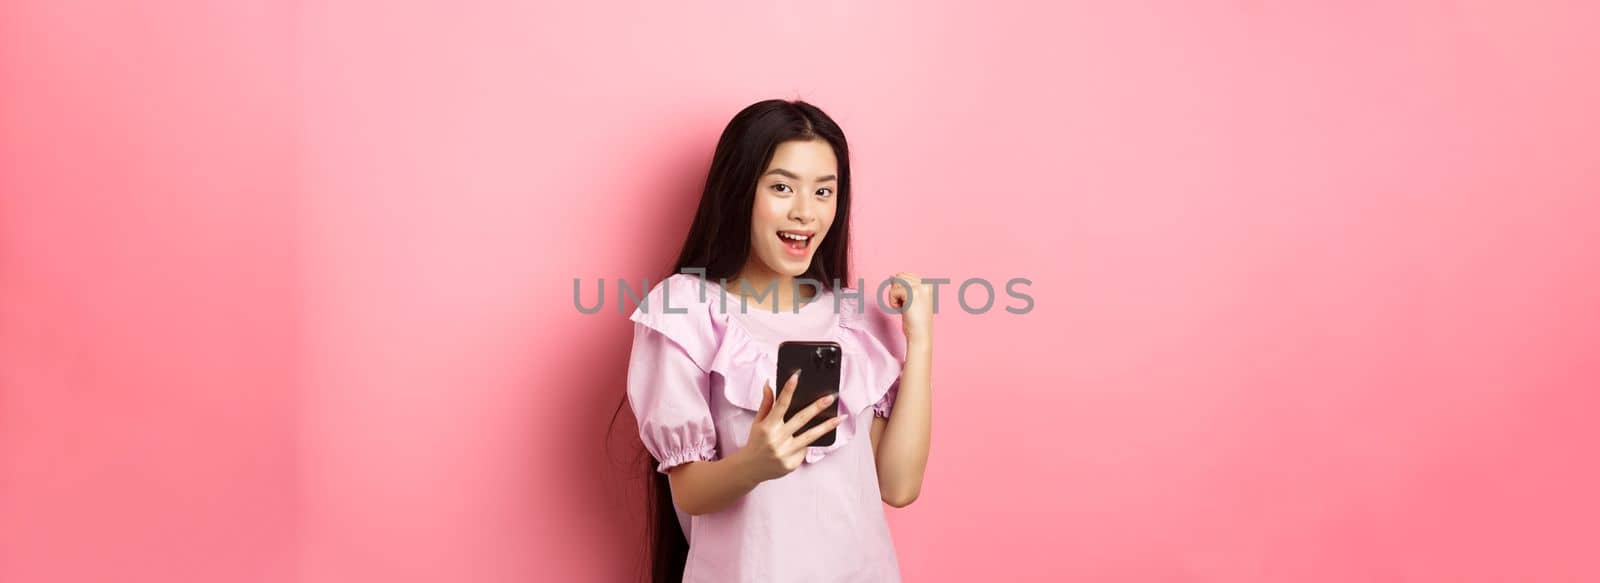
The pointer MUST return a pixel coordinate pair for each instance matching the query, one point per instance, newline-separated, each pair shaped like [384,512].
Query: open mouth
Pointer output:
[796,242]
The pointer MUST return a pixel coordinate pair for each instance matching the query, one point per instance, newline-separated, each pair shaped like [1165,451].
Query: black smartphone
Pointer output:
[818,363]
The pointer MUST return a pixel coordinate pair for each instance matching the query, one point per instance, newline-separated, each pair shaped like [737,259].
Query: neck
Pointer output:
[757,280]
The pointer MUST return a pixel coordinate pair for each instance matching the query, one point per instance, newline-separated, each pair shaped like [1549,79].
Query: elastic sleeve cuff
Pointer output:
[886,404]
[697,453]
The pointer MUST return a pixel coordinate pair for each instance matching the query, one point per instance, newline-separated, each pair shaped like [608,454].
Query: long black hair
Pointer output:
[719,242]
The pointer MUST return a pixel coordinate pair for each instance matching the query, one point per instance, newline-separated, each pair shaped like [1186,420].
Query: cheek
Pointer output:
[826,218]
[768,213]
[761,218]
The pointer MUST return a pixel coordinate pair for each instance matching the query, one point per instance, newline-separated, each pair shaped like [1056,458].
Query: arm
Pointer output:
[706,487]
[900,443]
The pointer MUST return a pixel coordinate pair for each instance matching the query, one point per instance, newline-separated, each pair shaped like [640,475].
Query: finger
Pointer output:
[800,419]
[815,433]
[785,396]
[897,296]
[766,402]
[908,287]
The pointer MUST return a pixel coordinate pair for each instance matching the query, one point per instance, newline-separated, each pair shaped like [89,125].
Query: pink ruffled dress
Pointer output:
[694,381]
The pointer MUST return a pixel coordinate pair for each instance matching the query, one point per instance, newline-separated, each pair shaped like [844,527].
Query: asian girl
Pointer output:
[741,494]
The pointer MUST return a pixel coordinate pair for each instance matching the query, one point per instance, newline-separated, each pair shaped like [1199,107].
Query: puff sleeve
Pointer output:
[669,386]
[886,404]
[883,350]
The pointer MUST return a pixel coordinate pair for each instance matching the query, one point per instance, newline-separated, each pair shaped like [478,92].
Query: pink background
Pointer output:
[285,287]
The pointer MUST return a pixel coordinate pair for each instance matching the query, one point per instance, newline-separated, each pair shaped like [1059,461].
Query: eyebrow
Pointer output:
[793,176]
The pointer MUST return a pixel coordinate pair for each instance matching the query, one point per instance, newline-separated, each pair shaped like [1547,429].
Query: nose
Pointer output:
[800,211]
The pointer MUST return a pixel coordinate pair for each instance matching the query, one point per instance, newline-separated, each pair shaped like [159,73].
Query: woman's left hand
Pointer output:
[914,304]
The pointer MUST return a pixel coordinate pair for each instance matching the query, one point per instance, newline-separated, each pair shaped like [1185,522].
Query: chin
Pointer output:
[793,270]
[789,267]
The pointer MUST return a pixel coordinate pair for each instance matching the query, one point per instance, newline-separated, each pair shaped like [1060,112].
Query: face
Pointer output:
[794,206]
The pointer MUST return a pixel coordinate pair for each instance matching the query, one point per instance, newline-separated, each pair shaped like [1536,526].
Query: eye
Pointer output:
[825,192]
[781,187]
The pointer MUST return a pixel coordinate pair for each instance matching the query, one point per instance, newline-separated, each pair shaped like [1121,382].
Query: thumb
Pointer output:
[766,402]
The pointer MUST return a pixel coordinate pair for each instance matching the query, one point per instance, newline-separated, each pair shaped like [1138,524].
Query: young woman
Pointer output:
[751,498]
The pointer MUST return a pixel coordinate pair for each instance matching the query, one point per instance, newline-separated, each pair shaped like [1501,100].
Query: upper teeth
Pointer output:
[794,237]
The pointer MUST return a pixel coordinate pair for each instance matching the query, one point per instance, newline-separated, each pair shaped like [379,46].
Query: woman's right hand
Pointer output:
[773,449]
